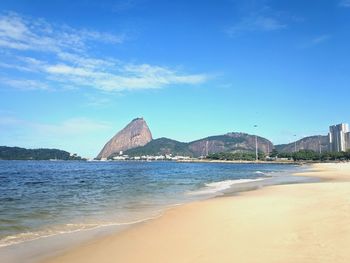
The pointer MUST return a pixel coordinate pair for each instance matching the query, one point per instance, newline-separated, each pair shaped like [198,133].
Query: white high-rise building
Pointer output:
[339,137]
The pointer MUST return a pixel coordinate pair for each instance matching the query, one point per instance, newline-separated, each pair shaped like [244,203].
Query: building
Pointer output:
[339,137]
[347,140]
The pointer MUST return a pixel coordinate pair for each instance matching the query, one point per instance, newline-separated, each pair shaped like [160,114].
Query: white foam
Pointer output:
[219,187]
[66,229]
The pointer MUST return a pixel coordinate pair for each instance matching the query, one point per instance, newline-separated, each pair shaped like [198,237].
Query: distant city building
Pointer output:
[347,140]
[339,137]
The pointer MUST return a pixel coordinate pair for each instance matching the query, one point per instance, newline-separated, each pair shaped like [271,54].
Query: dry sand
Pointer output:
[285,223]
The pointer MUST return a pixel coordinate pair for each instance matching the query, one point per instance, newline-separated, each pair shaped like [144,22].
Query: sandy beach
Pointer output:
[285,223]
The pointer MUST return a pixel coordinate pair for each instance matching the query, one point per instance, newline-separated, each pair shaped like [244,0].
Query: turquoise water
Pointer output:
[43,198]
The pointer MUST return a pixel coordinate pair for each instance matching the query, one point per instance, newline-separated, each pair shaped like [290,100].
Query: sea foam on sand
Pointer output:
[219,187]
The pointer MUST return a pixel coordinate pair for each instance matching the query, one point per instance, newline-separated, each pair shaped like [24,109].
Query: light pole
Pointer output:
[256,145]
[295,143]
[319,144]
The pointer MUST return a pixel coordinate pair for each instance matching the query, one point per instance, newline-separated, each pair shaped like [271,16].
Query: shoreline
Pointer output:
[238,161]
[76,241]
[203,231]
[33,250]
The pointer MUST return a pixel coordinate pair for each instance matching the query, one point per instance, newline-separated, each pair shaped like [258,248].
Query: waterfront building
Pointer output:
[347,140]
[339,137]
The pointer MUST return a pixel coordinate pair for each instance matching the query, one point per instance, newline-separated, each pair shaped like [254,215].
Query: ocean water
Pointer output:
[42,198]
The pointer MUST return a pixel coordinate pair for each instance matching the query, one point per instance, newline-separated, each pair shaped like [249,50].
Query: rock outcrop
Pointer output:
[135,134]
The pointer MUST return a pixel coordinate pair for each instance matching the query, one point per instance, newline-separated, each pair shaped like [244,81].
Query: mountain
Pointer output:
[230,142]
[161,146]
[135,134]
[17,153]
[308,143]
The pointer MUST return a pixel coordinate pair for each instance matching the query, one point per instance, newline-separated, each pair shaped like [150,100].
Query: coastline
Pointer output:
[280,223]
[238,161]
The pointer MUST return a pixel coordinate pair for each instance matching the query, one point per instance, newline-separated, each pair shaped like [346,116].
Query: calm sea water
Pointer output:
[43,198]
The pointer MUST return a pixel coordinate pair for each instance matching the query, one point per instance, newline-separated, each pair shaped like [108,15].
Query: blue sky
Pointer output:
[72,73]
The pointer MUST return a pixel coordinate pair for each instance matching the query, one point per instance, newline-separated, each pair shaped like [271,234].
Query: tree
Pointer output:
[274,153]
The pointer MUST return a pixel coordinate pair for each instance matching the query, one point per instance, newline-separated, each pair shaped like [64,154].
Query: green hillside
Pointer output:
[161,146]
[17,153]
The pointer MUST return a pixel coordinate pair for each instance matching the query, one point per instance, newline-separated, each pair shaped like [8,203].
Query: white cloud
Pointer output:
[62,69]
[70,63]
[344,3]
[17,32]
[126,77]
[117,76]
[79,60]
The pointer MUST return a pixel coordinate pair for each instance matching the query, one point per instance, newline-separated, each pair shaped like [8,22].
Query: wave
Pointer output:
[259,172]
[219,187]
[64,229]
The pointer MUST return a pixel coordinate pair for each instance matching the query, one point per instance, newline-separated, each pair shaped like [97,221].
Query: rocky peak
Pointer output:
[135,134]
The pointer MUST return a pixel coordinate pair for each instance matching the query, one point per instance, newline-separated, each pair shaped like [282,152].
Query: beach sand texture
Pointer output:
[284,223]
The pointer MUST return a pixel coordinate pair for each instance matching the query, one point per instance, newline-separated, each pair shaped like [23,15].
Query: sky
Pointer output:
[73,73]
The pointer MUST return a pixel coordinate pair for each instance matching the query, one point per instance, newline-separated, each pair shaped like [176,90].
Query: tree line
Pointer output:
[302,155]
[309,155]
[242,156]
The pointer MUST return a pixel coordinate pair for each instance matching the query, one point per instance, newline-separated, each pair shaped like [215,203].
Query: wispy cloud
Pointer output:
[320,39]
[71,64]
[123,5]
[264,19]
[16,131]
[104,75]
[97,101]
[70,127]
[344,3]
[25,84]
[315,41]
[21,33]
[256,23]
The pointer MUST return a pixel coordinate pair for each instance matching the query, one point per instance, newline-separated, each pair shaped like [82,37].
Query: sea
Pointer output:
[43,199]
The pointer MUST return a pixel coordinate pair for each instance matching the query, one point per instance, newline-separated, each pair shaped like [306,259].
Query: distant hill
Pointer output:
[17,153]
[231,142]
[308,143]
[136,140]
[161,146]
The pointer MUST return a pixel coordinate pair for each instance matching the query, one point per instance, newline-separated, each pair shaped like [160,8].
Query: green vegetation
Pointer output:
[17,153]
[229,156]
[231,142]
[302,155]
[226,139]
[161,146]
[309,155]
